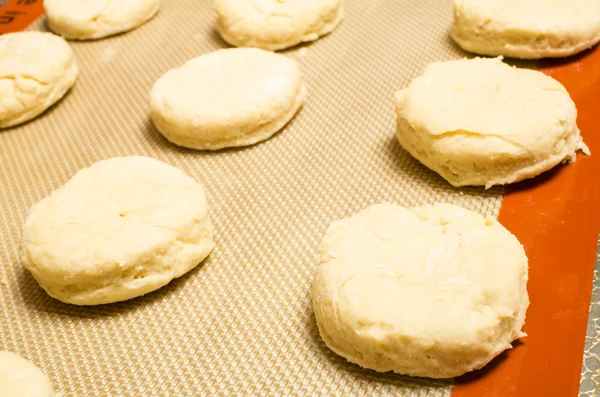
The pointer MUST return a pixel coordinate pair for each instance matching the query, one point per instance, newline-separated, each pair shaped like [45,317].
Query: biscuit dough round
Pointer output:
[526,29]
[483,122]
[36,70]
[433,291]
[119,229]
[276,24]
[231,97]
[95,19]
[20,378]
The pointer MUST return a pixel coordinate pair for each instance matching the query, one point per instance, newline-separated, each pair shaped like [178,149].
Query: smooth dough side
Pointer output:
[117,230]
[228,98]
[275,25]
[36,71]
[90,19]
[462,157]
[21,378]
[251,136]
[481,122]
[434,291]
[479,28]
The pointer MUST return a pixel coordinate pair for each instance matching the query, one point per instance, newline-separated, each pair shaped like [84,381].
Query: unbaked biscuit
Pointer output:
[276,24]
[433,291]
[526,28]
[36,70]
[232,97]
[483,122]
[20,378]
[119,229]
[95,19]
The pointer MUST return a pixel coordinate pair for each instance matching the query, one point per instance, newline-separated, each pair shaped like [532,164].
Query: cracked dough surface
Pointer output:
[95,19]
[483,122]
[36,70]
[231,97]
[20,378]
[119,229]
[526,29]
[276,24]
[432,291]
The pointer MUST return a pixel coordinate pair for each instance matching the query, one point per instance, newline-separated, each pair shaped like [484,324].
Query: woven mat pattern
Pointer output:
[590,368]
[242,322]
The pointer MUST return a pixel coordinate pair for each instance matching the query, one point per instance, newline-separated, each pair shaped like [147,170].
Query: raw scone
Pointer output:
[483,122]
[526,28]
[20,378]
[36,70]
[119,229]
[433,291]
[276,24]
[95,19]
[232,97]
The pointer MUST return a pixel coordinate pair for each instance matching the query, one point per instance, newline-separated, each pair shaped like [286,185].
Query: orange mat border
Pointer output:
[557,218]
[17,15]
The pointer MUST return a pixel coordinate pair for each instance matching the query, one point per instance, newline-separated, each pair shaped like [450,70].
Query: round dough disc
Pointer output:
[526,29]
[95,19]
[36,70]
[20,378]
[276,24]
[433,291]
[232,97]
[482,122]
[119,229]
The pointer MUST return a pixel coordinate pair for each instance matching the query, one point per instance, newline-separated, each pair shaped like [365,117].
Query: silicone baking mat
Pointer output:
[242,322]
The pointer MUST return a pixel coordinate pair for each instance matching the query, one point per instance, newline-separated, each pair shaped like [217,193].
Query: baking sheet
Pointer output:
[590,370]
[241,323]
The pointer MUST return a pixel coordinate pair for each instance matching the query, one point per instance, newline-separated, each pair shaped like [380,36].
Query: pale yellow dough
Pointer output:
[20,378]
[119,229]
[36,70]
[526,28]
[95,19]
[276,24]
[232,97]
[434,291]
[483,122]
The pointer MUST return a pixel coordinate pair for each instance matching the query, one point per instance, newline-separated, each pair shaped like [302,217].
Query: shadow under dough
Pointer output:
[355,371]
[36,299]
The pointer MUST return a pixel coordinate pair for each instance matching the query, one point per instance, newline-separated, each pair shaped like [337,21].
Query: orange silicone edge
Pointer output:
[556,216]
[17,15]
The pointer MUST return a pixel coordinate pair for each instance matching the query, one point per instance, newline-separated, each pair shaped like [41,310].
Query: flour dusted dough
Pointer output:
[118,229]
[276,24]
[232,97]
[526,28]
[95,19]
[482,122]
[36,70]
[20,378]
[433,291]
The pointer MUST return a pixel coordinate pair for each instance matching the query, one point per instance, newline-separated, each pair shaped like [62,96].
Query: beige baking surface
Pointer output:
[242,323]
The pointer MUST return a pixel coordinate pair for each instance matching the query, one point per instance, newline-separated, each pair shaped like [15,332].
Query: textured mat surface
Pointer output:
[590,369]
[241,323]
